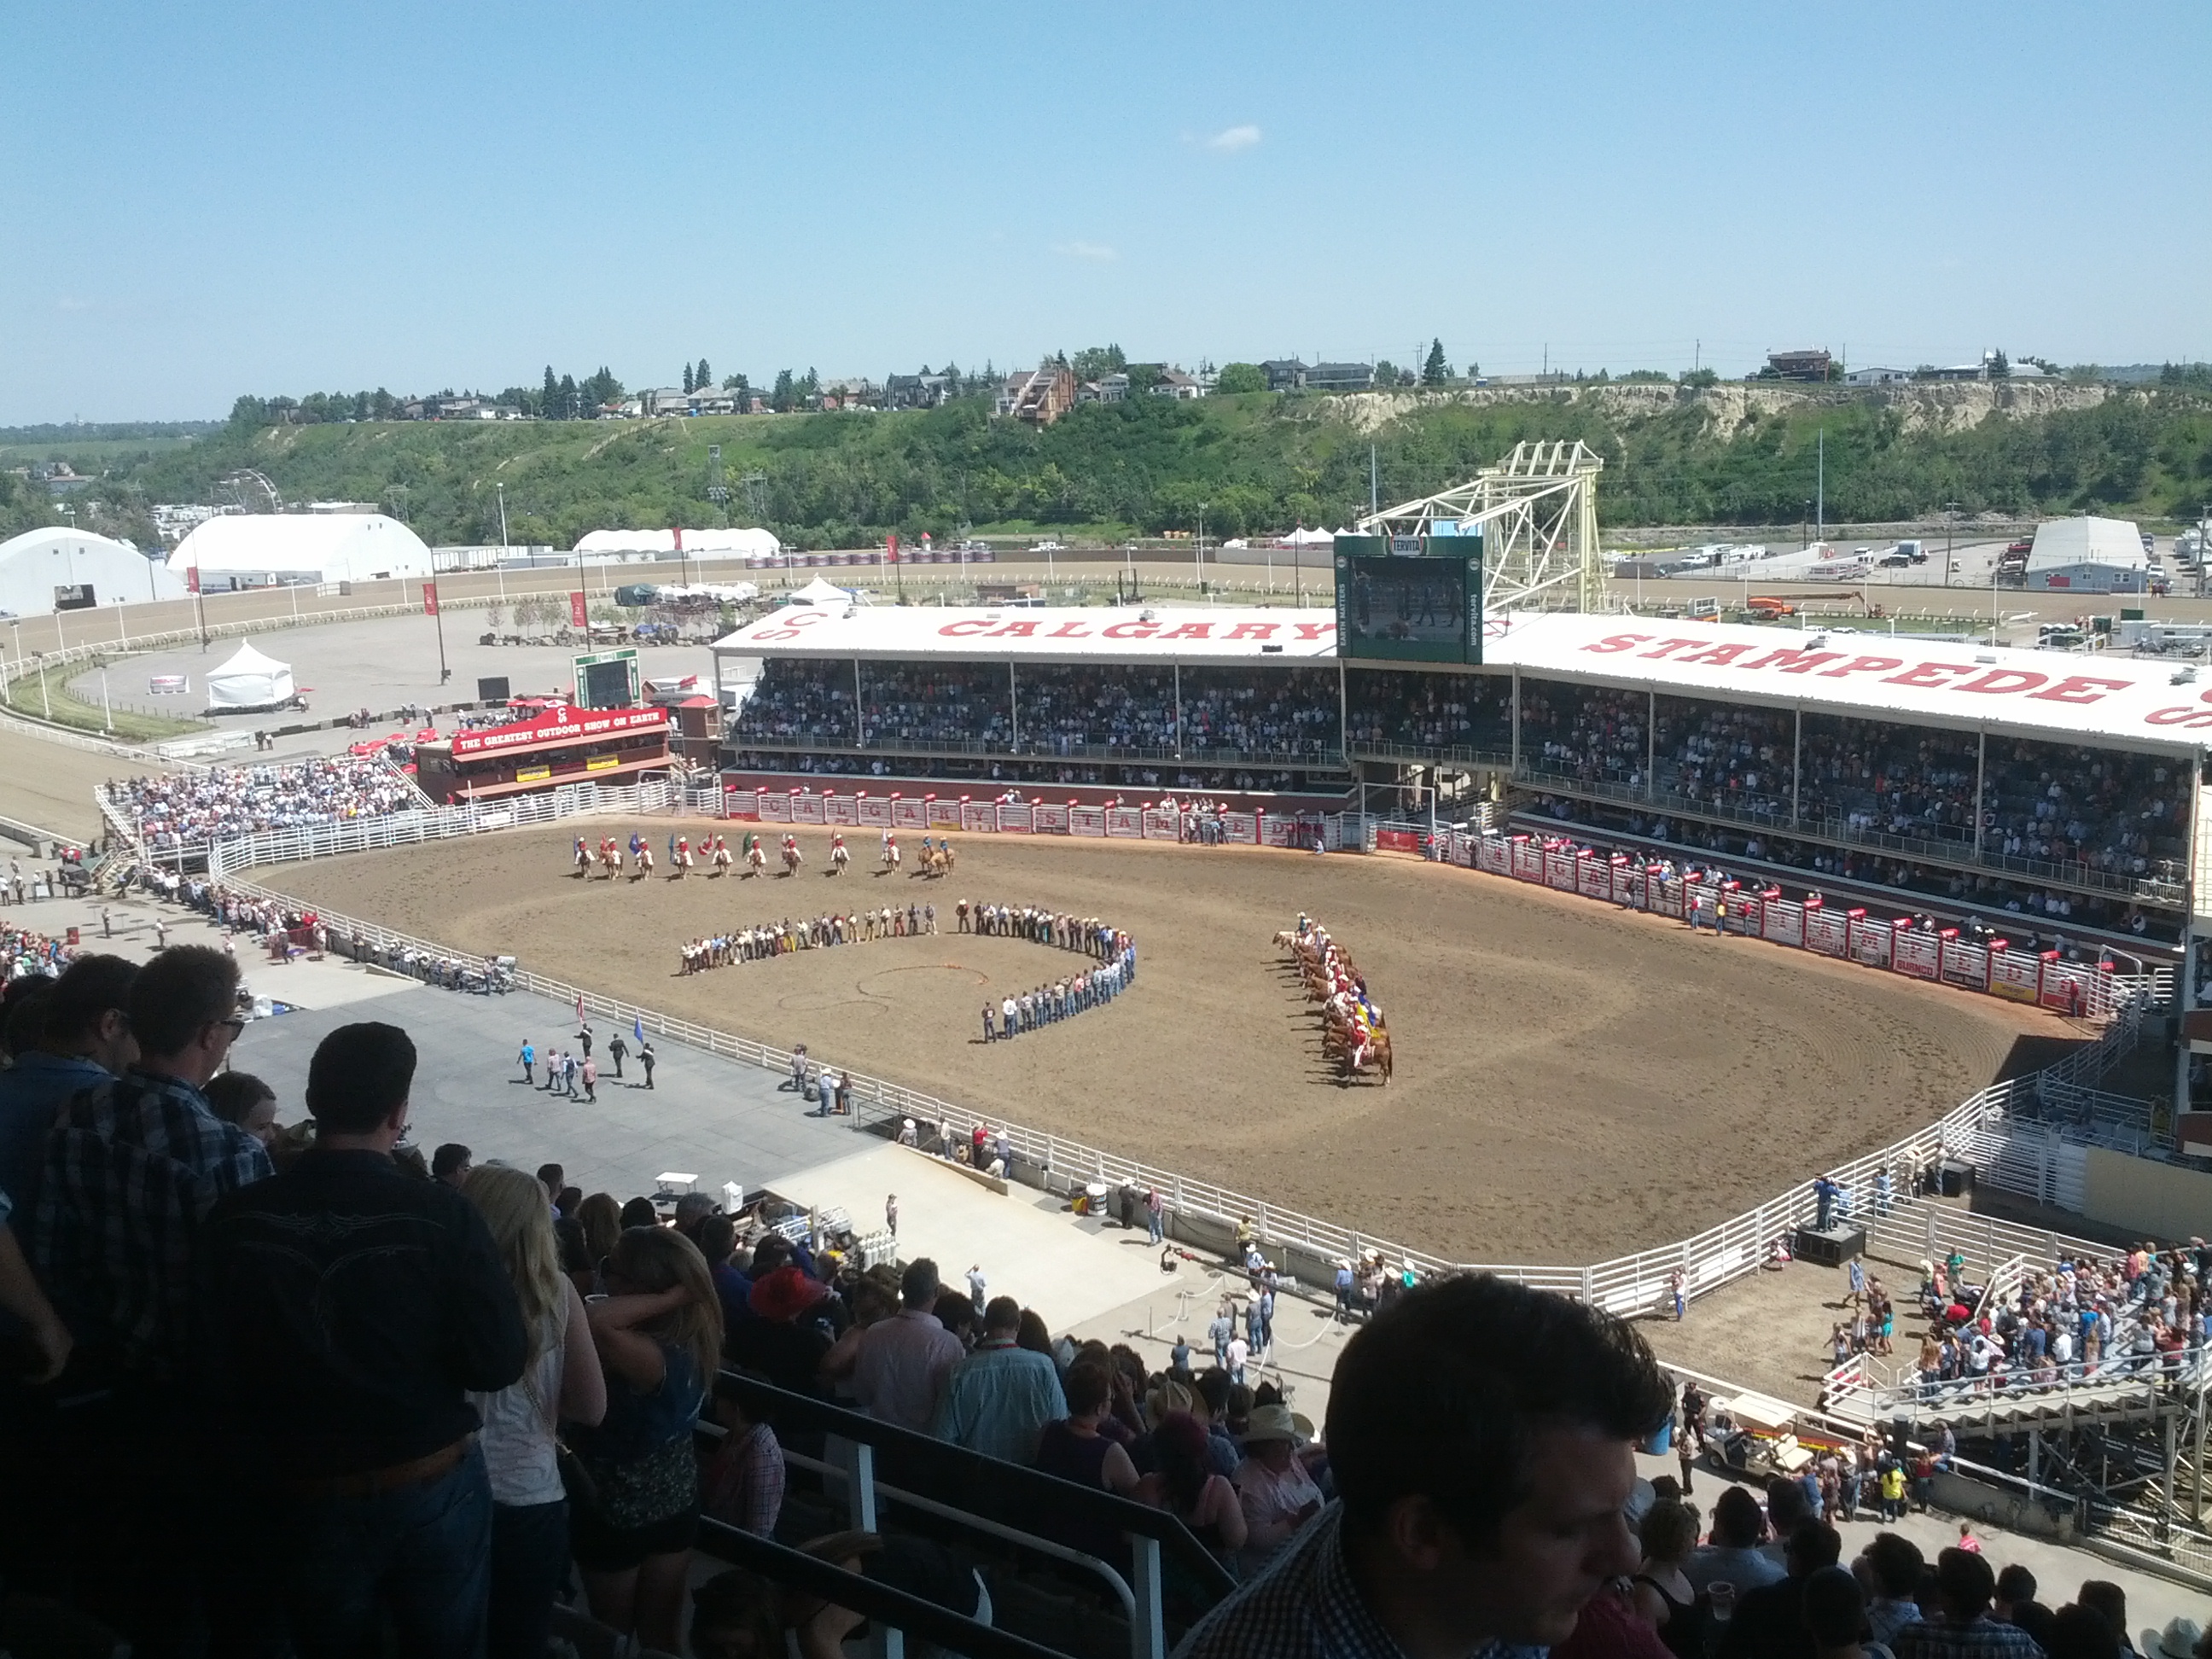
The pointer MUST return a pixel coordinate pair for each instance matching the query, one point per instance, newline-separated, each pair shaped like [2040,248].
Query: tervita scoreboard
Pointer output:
[1409,598]
[607,680]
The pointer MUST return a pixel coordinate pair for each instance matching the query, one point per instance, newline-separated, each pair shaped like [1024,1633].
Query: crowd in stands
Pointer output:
[1431,710]
[25,952]
[190,809]
[312,1381]
[1062,709]
[1035,774]
[2030,915]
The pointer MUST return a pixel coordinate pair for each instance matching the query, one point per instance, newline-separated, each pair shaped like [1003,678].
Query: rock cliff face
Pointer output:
[1923,405]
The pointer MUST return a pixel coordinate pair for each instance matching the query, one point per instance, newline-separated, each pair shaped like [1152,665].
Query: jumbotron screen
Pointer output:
[608,681]
[1424,607]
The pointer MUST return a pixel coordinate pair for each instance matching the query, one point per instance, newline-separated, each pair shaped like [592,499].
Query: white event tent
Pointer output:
[739,543]
[59,569]
[248,681]
[260,549]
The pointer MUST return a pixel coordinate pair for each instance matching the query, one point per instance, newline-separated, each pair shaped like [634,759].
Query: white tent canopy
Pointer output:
[249,680]
[819,591]
[42,569]
[253,549]
[1305,538]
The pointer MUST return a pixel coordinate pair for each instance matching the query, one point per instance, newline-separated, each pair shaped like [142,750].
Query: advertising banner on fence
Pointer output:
[1086,820]
[1397,841]
[774,808]
[1783,921]
[740,804]
[1665,892]
[1125,822]
[839,810]
[1594,876]
[1494,853]
[907,813]
[1242,828]
[2066,987]
[1743,912]
[1913,952]
[2015,974]
[979,815]
[809,809]
[1528,859]
[1163,823]
[1827,931]
[1014,817]
[1560,868]
[1869,940]
[1048,818]
[873,811]
[1627,877]
[1961,962]
[944,813]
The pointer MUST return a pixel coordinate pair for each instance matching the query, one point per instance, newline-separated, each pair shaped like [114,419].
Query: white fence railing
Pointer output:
[1626,1284]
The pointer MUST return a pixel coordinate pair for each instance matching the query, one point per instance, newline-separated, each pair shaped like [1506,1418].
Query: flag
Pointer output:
[637,1028]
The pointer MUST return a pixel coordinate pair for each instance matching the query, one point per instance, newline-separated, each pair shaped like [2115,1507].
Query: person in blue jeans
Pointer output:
[356,1307]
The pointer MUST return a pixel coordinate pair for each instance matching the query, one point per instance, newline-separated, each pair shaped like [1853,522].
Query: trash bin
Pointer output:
[1661,1441]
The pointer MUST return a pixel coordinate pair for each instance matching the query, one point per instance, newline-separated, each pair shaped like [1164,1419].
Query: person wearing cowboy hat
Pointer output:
[1278,1495]
[2180,1639]
[1482,1439]
[1965,1585]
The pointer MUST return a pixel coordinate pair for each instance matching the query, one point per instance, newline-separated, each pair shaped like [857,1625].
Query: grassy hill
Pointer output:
[1730,454]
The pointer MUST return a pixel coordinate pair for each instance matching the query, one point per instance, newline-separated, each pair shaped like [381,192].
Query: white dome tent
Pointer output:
[263,550]
[249,683]
[55,567]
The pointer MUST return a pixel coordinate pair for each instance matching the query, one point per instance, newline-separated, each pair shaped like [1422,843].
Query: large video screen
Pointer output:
[607,681]
[1396,609]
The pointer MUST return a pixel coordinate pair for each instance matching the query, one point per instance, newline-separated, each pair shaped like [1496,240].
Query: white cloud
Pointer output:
[1098,252]
[1230,140]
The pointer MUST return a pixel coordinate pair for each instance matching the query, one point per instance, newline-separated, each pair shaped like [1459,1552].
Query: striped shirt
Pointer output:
[131,1169]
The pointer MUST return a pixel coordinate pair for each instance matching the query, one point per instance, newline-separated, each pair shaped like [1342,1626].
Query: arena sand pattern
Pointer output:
[1573,1081]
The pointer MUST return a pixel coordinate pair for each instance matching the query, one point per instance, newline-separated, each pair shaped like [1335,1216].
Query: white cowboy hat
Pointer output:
[2178,1640]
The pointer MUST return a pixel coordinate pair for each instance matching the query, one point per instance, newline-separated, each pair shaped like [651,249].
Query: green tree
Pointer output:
[1699,378]
[687,378]
[1436,371]
[1241,377]
[702,378]
[1093,362]
[780,399]
[1386,373]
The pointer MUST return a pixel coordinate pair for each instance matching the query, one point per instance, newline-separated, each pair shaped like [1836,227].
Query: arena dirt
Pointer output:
[1572,1081]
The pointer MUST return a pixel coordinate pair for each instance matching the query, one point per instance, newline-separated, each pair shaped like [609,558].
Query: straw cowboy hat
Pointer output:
[1164,1396]
[2178,1640]
[1275,1423]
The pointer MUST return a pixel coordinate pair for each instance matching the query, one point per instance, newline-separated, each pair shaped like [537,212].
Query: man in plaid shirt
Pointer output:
[132,1169]
[1481,1435]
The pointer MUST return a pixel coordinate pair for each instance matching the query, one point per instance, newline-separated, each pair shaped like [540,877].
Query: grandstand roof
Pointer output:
[2050,695]
[1191,634]
[328,546]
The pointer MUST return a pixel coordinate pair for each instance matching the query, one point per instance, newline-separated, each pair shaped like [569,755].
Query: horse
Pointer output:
[721,857]
[679,861]
[840,856]
[792,858]
[583,859]
[756,860]
[890,856]
[644,862]
[610,859]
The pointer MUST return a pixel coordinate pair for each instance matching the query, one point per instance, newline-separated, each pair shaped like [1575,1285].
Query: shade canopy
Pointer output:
[248,681]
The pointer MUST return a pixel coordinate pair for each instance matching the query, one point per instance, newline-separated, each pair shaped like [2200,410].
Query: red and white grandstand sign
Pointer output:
[559,725]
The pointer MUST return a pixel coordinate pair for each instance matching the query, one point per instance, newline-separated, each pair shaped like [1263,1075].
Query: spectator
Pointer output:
[898,1367]
[191,809]
[356,1309]
[1074,1450]
[2080,1631]
[1663,1594]
[1278,1494]
[1963,1586]
[1834,1615]
[244,1099]
[1889,1571]
[2110,1601]
[790,1330]
[658,1334]
[2015,1604]
[1733,1556]
[716,1236]
[598,1224]
[452,1163]
[24,1303]
[1185,1482]
[1481,1438]
[638,1212]
[742,1484]
[998,1400]
[82,1039]
[1770,1621]
[561,1381]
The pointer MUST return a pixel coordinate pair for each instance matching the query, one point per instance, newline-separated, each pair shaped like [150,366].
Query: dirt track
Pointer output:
[1572,1081]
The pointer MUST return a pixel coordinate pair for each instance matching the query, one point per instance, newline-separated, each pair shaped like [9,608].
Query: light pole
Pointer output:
[501,565]
[1950,523]
[107,713]
[1198,556]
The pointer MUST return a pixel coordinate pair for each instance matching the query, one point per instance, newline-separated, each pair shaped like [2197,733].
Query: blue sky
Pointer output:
[225,197]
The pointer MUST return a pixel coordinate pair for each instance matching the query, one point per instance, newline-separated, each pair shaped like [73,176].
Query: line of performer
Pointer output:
[1354,1034]
[610,859]
[779,938]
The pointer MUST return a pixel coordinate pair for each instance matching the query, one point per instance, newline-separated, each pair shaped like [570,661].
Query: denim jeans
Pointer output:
[529,1563]
[421,1555]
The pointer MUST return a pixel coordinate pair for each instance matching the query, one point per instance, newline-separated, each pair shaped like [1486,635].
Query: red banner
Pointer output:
[559,725]
[578,617]
[192,579]
[890,548]
[429,599]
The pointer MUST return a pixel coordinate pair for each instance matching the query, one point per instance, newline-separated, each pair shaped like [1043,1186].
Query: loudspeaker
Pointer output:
[492,689]
[1831,1249]
[1953,1177]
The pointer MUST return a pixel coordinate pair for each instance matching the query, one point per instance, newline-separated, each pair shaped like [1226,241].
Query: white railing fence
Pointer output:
[1874,1185]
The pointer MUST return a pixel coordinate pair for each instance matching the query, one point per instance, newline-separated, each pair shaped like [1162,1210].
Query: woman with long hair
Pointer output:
[658,1334]
[1661,1593]
[1184,1484]
[530,1511]
[598,1218]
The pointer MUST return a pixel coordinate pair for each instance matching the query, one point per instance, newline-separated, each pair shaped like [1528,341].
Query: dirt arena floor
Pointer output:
[51,784]
[1572,1081]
